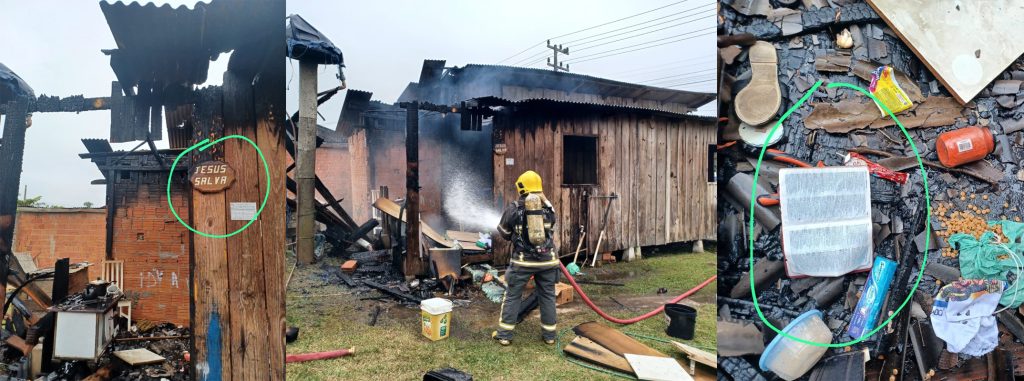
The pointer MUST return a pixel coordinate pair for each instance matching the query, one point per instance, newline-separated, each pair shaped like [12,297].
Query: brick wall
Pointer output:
[52,234]
[388,165]
[153,246]
[332,167]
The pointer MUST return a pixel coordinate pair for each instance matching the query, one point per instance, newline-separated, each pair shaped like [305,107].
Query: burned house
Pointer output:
[633,152]
[140,231]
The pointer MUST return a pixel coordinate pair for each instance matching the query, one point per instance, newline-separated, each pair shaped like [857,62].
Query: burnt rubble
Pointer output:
[990,189]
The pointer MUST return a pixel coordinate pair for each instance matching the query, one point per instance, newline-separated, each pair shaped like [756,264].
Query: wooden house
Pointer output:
[589,138]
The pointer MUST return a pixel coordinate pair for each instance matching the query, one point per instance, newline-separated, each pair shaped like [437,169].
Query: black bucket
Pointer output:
[681,321]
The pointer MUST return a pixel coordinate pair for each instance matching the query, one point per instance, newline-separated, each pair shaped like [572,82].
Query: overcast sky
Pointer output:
[55,47]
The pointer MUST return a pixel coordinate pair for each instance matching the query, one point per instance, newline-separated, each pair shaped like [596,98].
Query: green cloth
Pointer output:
[979,258]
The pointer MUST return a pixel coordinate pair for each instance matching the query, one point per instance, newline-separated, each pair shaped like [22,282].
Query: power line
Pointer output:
[662,66]
[638,24]
[624,18]
[578,59]
[595,55]
[676,80]
[689,20]
[670,70]
[636,35]
[678,75]
[690,83]
[596,26]
[533,58]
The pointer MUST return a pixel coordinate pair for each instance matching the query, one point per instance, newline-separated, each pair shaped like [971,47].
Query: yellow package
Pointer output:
[884,87]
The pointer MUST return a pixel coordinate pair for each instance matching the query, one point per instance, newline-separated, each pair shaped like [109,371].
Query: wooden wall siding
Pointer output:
[657,166]
[517,93]
[238,281]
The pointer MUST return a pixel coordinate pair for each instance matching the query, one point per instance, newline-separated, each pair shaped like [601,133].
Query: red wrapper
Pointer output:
[855,159]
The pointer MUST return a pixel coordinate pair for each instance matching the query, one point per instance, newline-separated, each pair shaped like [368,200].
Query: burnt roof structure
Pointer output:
[147,56]
[442,85]
[12,86]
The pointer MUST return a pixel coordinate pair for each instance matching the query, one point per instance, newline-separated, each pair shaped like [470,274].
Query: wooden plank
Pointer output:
[628,179]
[139,356]
[392,209]
[248,321]
[661,162]
[614,340]
[211,314]
[694,354]
[963,44]
[592,352]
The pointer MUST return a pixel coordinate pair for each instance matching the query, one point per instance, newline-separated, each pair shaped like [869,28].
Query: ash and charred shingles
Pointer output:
[165,46]
[578,84]
[550,105]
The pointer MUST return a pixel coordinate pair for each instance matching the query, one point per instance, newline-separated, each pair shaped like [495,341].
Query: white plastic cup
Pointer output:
[790,359]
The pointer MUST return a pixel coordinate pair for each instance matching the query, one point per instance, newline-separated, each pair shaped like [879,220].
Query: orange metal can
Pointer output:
[963,146]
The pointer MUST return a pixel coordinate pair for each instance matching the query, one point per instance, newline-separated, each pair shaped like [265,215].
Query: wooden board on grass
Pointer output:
[592,352]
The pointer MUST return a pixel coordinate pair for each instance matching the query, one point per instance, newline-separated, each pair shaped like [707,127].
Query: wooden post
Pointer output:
[12,151]
[305,163]
[270,113]
[210,274]
[248,322]
[412,189]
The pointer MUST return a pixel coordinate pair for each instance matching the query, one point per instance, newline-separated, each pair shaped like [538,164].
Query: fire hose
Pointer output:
[616,320]
[301,357]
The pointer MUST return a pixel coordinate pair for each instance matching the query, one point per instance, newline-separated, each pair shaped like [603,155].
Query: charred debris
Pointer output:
[847,41]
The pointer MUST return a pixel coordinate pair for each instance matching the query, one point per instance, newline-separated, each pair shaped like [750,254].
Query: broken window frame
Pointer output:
[594,170]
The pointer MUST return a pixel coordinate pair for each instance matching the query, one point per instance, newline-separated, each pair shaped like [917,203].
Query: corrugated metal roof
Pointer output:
[97,145]
[159,46]
[560,105]
[580,83]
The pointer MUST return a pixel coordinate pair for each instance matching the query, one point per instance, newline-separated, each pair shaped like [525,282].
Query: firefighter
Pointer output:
[529,224]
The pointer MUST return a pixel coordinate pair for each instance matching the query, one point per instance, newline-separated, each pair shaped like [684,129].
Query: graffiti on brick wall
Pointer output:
[155,278]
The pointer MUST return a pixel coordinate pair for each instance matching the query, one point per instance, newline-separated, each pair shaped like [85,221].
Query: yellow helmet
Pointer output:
[529,182]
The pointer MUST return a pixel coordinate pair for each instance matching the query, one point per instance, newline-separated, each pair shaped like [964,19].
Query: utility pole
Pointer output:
[556,65]
[305,163]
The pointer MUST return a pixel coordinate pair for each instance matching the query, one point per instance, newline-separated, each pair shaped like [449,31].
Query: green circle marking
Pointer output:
[753,199]
[203,145]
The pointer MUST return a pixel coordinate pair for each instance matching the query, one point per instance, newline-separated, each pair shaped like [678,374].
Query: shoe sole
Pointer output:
[757,103]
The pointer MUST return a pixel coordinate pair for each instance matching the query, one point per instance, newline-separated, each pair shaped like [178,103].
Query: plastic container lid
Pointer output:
[436,306]
[806,355]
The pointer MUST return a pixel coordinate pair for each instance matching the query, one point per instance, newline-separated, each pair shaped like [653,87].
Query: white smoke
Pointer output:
[463,203]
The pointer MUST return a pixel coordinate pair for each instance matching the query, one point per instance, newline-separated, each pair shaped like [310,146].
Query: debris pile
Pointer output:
[970,148]
[165,340]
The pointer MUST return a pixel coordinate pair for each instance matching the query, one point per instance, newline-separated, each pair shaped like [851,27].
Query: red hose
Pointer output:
[638,318]
[319,355]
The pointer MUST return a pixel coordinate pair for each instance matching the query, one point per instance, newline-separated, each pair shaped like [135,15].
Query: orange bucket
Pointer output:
[964,145]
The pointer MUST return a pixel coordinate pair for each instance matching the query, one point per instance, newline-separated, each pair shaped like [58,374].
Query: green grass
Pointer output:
[393,349]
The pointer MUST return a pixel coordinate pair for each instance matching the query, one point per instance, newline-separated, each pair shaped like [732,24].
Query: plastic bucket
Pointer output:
[681,321]
[790,359]
[436,317]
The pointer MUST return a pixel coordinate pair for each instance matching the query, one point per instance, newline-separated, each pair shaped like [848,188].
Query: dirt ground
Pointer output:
[332,316]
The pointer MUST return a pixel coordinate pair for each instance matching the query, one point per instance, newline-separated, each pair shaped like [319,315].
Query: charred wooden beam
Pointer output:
[412,187]
[74,103]
[12,154]
[389,291]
